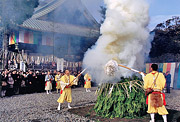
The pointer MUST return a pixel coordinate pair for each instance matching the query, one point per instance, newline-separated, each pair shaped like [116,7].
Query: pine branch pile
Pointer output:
[126,100]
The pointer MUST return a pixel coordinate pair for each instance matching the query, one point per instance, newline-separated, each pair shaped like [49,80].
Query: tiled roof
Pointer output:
[47,26]
[47,8]
[60,28]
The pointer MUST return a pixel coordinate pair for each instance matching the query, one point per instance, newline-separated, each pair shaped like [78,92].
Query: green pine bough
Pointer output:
[127,99]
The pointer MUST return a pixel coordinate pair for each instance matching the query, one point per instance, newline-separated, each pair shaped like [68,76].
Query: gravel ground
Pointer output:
[173,100]
[40,107]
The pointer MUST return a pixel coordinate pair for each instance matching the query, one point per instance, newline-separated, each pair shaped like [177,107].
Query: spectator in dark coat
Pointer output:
[81,80]
[10,81]
[4,83]
[42,79]
[168,81]
[16,79]
[30,83]
[54,82]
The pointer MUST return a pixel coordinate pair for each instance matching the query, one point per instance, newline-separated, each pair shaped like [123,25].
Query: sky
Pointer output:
[159,10]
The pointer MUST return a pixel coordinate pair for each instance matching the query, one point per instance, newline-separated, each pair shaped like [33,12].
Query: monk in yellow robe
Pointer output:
[87,83]
[156,99]
[57,79]
[67,81]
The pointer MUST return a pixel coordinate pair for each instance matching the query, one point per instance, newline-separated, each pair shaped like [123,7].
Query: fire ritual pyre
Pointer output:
[127,99]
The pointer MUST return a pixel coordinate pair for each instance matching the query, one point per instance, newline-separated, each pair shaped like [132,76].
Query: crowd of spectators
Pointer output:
[18,82]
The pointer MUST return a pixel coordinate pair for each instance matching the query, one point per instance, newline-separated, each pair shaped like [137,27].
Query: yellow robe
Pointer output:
[87,79]
[160,84]
[66,94]
[57,79]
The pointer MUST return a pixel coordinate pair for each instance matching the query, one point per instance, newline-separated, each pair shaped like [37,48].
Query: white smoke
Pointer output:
[124,34]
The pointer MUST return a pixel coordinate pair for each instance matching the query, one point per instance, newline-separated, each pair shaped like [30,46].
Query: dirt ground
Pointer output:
[88,111]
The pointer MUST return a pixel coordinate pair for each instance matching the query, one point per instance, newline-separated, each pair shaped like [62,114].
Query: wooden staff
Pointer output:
[79,75]
[131,69]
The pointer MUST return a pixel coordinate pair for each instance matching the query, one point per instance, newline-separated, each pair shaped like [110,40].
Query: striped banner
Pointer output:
[14,38]
[29,37]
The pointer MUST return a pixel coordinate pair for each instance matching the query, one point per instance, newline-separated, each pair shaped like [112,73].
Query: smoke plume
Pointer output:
[123,37]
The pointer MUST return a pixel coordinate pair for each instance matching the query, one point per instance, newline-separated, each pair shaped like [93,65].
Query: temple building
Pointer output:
[58,29]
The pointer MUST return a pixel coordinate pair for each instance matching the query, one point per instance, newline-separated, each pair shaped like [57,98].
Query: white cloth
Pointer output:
[142,74]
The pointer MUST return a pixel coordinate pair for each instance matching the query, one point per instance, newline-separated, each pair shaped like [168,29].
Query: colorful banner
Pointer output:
[29,37]
[14,38]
